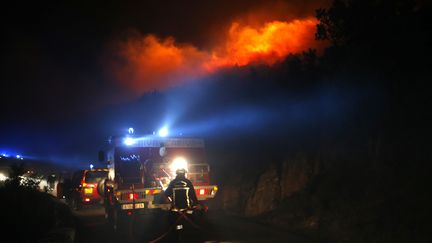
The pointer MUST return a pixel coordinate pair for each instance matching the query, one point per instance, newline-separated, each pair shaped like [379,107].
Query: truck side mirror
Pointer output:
[101,156]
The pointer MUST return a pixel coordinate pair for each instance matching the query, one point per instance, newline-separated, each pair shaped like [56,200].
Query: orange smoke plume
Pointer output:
[148,63]
[267,45]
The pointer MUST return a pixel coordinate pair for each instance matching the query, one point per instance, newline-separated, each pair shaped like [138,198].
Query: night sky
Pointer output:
[64,87]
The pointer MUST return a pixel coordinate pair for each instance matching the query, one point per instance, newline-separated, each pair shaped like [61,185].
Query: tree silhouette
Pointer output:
[366,21]
[333,23]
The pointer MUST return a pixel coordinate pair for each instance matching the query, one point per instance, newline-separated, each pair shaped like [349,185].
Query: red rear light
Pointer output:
[87,199]
[201,191]
[133,196]
[88,185]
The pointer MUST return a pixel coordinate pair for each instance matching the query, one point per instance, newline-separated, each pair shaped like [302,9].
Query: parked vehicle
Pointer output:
[87,188]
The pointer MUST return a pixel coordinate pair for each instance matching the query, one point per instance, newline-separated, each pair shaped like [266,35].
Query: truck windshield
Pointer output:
[129,167]
[95,176]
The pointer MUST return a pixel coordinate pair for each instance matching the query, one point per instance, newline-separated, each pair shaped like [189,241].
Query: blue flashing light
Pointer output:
[163,132]
[130,130]
[91,166]
[18,156]
[129,141]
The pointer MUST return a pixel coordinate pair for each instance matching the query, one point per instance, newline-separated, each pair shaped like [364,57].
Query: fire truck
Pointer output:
[141,168]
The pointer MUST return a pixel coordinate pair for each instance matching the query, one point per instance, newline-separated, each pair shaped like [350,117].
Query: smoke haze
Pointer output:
[263,35]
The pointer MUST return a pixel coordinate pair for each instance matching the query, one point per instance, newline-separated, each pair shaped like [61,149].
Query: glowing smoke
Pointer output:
[267,44]
[146,63]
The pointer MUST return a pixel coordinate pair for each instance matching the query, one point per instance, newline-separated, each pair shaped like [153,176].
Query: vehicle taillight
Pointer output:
[201,191]
[88,185]
[133,196]
[152,191]
[87,199]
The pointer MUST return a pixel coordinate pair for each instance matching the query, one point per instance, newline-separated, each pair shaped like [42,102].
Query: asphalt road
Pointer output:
[93,227]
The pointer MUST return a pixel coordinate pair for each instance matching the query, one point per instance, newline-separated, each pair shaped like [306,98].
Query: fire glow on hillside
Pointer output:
[268,44]
[150,63]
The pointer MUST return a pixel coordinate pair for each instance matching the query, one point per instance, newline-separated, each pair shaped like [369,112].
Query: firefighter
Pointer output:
[181,192]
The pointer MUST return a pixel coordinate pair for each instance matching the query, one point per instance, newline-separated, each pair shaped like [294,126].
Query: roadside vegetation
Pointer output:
[29,214]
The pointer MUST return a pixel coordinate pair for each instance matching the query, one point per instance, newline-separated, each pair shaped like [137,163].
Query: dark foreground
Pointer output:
[93,227]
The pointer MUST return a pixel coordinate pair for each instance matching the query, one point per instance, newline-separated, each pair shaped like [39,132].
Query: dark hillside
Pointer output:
[354,165]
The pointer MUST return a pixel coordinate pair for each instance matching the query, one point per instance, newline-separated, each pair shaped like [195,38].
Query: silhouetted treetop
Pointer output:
[366,21]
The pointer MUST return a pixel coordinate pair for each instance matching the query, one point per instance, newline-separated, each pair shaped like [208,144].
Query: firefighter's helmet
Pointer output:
[181,171]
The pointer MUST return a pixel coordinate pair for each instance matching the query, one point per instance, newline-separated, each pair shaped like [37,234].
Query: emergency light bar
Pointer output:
[163,132]
[156,142]
[129,141]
